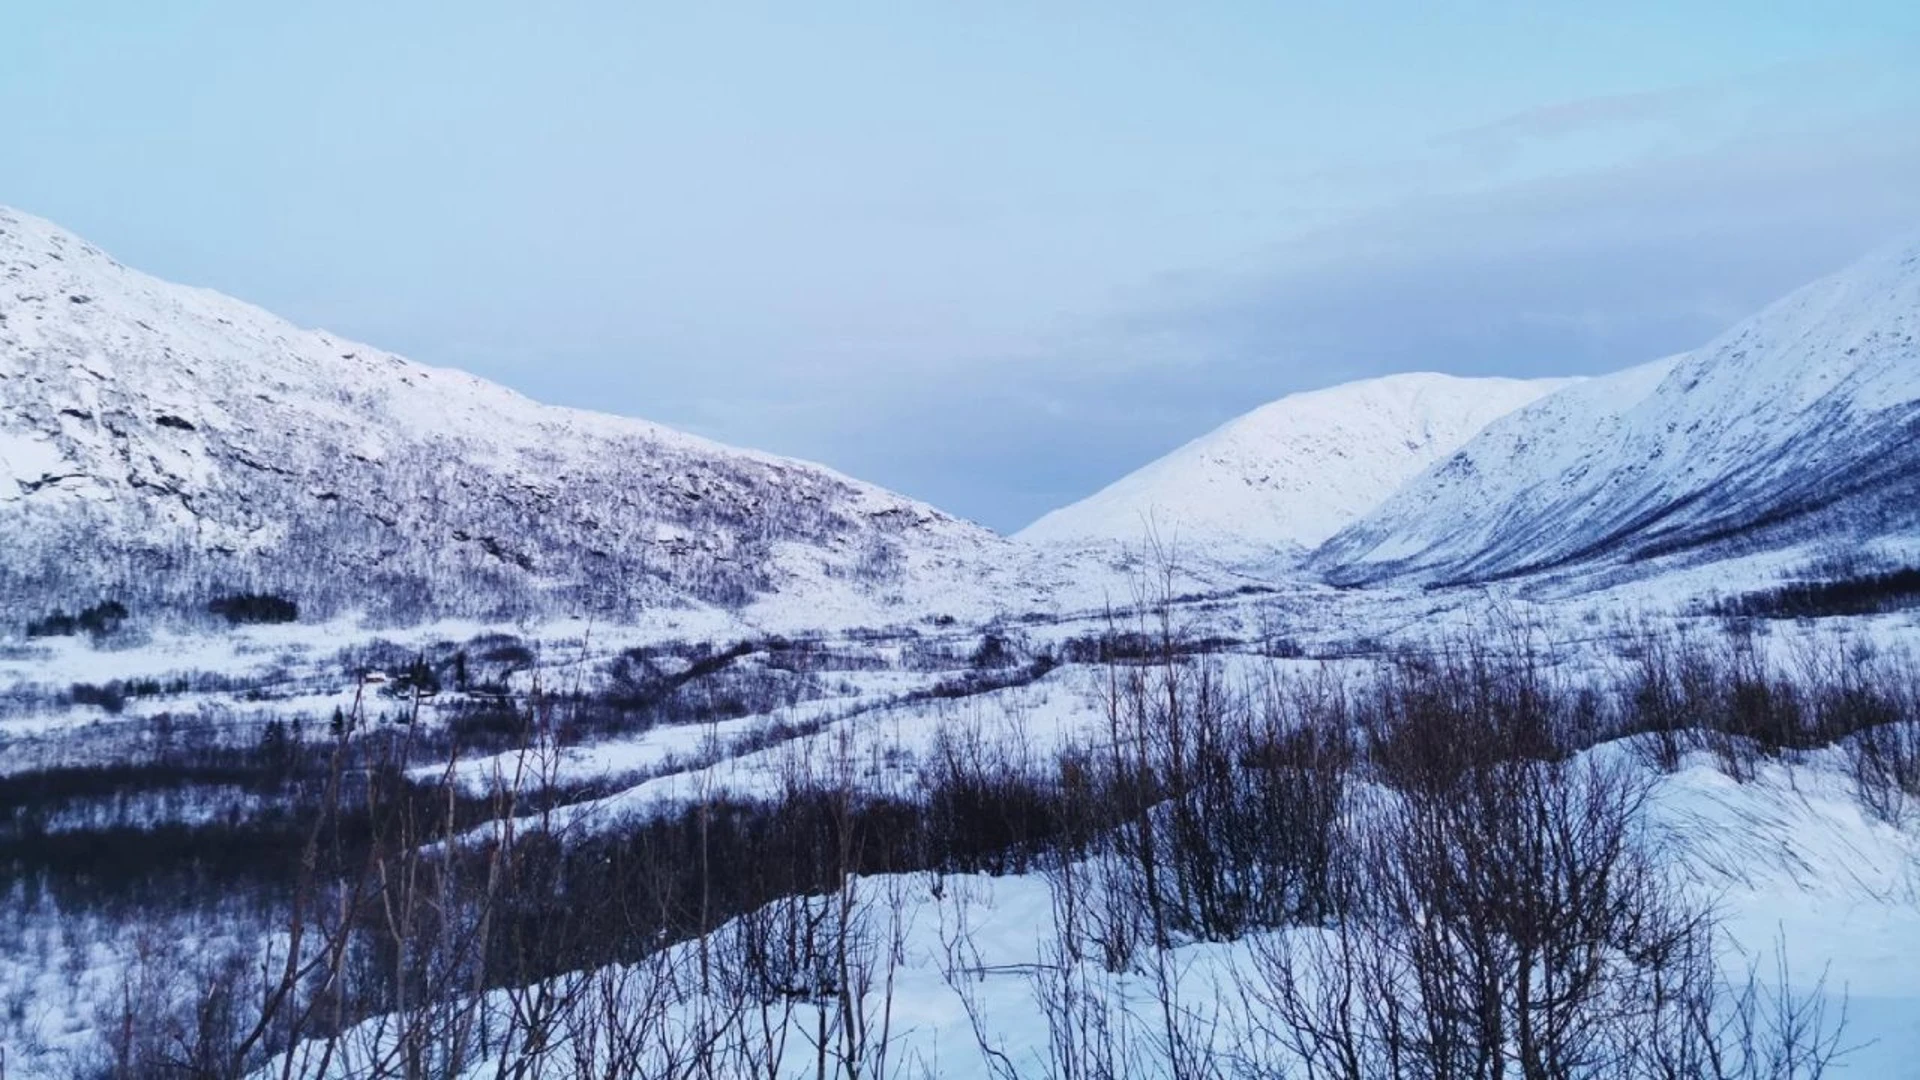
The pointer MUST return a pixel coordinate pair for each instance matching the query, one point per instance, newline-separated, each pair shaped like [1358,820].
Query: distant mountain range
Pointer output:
[1798,429]
[168,445]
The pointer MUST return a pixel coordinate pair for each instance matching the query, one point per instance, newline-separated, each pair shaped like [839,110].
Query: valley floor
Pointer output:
[1817,897]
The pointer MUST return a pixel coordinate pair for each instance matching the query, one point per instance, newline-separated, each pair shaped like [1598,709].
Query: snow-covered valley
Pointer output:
[304,643]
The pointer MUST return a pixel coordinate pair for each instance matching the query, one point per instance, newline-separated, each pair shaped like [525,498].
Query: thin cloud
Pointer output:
[1508,135]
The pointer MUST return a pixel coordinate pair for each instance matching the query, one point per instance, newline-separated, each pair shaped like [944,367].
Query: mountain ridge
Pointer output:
[1798,425]
[172,441]
[1268,486]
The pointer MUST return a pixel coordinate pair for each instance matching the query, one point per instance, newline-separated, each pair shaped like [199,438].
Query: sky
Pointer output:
[993,255]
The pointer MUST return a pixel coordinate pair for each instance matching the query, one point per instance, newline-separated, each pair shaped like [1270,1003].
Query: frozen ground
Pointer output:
[1788,856]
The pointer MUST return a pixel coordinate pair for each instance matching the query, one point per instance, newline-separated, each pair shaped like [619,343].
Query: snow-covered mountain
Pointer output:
[1270,485]
[162,443]
[1798,427]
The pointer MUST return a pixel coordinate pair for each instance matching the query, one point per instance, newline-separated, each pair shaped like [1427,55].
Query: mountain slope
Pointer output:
[1799,425]
[162,444]
[1283,478]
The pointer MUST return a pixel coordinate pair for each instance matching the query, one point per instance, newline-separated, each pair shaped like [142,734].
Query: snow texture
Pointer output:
[1800,424]
[170,441]
[1268,486]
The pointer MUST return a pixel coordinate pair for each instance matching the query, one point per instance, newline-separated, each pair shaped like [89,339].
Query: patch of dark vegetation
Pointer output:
[1724,698]
[58,624]
[811,655]
[115,693]
[677,684]
[249,608]
[1285,648]
[1138,646]
[987,680]
[502,649]
[98,621]
[645,677]
[112,696]
[485,725]
[420,679]
[995,651]
[1864,594]
[196,821]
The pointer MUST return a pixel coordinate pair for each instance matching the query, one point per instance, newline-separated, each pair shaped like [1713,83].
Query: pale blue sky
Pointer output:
[990,254]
